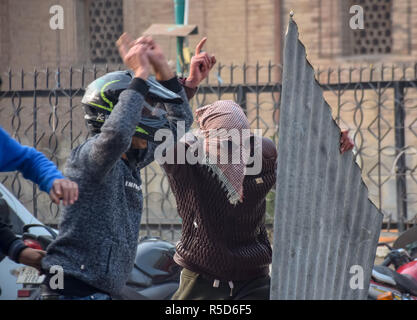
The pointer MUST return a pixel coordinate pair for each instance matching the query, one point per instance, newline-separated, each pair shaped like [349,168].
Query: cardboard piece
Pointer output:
[175,30]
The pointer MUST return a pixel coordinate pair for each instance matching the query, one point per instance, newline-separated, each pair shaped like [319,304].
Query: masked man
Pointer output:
[224,248]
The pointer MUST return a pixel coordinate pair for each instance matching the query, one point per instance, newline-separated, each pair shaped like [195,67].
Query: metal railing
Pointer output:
[377,104]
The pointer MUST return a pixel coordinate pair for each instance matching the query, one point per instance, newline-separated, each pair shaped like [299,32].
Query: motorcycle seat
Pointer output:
[139,279]
[383,274]
[387,275]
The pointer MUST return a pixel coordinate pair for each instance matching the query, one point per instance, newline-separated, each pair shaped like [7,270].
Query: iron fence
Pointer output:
[43,109]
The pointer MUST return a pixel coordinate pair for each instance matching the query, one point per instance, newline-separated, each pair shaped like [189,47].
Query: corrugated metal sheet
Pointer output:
[324,222]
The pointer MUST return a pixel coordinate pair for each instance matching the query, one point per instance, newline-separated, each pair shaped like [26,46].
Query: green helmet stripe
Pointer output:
[103,96]
[100,106]
[138,129]
[141,130]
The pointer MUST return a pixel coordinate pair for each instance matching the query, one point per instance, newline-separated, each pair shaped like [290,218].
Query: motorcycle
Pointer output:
[399,282]
[155,275]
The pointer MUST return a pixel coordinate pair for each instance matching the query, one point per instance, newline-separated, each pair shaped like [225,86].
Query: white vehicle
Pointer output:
[154,276]
[17,216]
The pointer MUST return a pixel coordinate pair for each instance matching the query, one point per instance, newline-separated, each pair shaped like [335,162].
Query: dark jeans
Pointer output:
[194,286]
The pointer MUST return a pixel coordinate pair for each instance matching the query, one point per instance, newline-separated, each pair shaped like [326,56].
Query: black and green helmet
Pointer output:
[103,93]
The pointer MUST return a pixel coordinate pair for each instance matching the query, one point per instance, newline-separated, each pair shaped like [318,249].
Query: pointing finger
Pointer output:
[200,45]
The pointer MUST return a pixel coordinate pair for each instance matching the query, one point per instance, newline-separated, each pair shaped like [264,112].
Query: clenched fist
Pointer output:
[32,257]
[65,190]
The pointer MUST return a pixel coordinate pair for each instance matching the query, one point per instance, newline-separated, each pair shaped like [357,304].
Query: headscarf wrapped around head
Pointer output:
[218,122]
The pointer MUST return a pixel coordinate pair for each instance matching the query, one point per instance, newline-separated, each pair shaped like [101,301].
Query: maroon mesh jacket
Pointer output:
[219,240]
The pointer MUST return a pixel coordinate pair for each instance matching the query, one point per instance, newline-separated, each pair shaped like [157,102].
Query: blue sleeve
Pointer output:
[30,162]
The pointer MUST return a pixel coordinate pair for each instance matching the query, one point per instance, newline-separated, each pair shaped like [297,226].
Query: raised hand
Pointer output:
[134,55]
[200,66]
[158,60]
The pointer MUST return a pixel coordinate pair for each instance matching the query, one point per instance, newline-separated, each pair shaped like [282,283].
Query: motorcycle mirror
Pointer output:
[406,238]
[26,227]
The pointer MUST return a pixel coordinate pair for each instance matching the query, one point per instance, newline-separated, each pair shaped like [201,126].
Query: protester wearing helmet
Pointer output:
[98,235]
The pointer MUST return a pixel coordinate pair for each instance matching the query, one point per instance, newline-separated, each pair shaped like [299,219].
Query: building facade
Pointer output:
[238,30]
[247,37]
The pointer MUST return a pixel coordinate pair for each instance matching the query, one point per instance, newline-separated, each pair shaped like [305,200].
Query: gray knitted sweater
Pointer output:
[99,233]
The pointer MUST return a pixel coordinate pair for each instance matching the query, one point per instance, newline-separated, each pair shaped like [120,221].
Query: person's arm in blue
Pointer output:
[37,168]
[30,162]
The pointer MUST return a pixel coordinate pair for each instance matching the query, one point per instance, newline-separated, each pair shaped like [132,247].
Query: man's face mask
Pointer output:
[135,156]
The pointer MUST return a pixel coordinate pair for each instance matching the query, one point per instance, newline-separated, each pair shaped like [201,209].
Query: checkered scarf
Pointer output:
[216,121]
